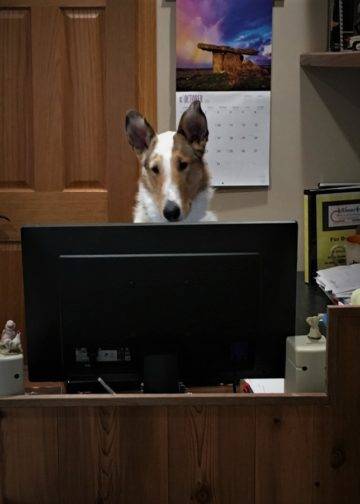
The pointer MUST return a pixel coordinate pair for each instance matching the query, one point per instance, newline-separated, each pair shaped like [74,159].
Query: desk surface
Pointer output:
[310,300]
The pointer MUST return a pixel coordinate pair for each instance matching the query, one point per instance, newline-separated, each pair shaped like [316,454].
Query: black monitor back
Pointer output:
[204,308]
[42,246]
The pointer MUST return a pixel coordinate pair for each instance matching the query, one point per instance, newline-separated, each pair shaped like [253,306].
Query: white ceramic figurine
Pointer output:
[10,339]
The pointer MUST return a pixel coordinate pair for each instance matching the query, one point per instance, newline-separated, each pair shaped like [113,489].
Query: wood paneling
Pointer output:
[69,75]
[147,60]
[122,171]
[88,435]
[144,456]
[211,455]
[48,77]
[284,444]
[16,156]
[126,450]
[29,456]
[281,452]
[337,448]
[84,113]
[140,399]
[51,208]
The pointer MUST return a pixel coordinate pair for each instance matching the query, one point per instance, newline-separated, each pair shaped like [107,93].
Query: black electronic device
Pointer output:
[51,264]
[117,310]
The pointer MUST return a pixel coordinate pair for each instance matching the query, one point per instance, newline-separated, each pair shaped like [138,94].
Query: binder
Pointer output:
[330,216]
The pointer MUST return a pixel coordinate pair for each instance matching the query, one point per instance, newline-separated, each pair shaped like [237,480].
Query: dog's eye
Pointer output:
[183,165]
[155,169]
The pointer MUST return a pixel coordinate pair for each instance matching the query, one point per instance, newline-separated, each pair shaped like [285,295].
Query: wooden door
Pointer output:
[69,70]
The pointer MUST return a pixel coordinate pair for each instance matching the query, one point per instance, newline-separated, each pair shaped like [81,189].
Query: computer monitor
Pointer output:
[63,263]
[193,306]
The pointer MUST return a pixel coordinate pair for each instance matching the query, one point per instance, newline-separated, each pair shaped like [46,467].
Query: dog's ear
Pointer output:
[193,126]
[138,131]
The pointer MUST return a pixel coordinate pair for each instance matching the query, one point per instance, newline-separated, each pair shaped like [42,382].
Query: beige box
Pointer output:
[11,374]
[305,369]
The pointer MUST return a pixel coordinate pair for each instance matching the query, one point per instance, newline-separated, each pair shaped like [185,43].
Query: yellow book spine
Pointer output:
[306,238]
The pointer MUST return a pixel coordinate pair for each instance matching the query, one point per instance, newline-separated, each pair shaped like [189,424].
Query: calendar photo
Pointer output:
[223,45]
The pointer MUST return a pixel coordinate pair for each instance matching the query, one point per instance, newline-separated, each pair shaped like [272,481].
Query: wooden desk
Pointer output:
[199,448]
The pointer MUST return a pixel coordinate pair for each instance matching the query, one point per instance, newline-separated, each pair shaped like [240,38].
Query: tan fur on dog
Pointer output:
[175,183]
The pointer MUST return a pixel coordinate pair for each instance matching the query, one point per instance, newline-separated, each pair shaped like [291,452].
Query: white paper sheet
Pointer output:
[266,385]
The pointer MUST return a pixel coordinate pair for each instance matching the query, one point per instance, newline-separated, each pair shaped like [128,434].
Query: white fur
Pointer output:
[146,209]
[164,147]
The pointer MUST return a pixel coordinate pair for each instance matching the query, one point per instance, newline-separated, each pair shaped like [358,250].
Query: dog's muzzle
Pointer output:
[171,211]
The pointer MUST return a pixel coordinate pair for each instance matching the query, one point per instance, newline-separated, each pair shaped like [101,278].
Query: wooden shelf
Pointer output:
[349,59]
[188,399]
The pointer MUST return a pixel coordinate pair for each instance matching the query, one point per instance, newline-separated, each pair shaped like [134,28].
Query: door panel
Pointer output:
[16,156]
[51,208]
[48,98]
[84,118]
[11,287]
[69,71]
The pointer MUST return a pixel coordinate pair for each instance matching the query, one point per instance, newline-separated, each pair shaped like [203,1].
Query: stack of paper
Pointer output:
[266,385]
[340,281]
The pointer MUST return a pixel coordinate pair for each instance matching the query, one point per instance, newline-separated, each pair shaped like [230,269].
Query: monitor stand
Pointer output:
[161,374]
[103,383]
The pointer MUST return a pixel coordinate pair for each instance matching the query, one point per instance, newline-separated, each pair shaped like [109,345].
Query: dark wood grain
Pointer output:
[122,169]
[337,448]
[29,456]
[284,437]
[84,129]
[208,399]
[48,41]
[31,207]
[113,455]
[16,153]
[211,455]
[147,62]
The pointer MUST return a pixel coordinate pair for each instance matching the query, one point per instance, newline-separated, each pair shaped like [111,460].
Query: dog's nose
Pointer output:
[171,211]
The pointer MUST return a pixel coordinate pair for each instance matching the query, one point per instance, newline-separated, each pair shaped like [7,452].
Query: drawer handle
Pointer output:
[4,217]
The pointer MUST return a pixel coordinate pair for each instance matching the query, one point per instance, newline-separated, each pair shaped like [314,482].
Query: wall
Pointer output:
[315,119]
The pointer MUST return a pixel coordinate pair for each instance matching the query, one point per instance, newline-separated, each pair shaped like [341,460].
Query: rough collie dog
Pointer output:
[174,182]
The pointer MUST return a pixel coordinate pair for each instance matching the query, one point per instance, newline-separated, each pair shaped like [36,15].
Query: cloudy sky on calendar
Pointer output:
[236,23]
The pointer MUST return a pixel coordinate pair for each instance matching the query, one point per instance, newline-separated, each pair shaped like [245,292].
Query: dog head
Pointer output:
[172,167]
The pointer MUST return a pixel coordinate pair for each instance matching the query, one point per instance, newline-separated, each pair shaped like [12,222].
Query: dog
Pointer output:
[174,184]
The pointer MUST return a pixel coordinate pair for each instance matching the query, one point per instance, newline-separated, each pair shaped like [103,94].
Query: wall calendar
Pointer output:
[224,60]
